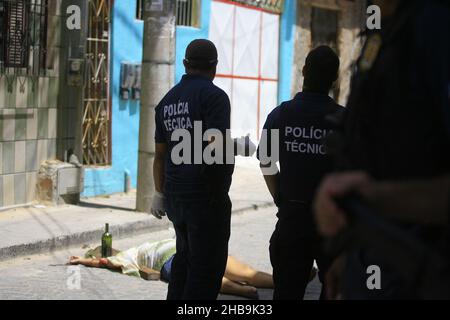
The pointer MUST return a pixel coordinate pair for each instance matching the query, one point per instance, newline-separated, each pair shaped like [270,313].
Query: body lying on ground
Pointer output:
[153,261]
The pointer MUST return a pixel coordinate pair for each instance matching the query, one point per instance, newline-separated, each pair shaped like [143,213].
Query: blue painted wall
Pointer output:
[287,47]
[127,35]
[126,45]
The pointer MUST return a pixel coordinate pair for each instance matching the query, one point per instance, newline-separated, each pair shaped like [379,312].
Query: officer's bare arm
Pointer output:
[159,166]
[421,201]
[272,180]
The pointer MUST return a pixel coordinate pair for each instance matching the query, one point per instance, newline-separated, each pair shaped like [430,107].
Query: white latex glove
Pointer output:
[158,210]
[245,146]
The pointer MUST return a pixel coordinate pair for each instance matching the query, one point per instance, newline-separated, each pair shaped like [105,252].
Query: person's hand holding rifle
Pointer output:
[425,202]
[378,204]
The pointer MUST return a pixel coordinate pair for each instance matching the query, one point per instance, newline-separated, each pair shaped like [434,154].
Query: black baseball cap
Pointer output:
[201,54]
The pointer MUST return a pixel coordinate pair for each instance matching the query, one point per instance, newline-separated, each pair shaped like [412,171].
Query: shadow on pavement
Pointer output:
[91,205]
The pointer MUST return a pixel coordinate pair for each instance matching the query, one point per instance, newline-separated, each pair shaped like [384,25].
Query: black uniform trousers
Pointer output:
[293,248]
[202,227]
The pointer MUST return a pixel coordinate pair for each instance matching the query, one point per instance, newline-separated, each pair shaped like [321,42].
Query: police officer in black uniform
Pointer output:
[396,129]
[194,195]
[303,162]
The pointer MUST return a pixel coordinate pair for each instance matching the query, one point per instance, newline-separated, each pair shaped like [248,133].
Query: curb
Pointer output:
[120,231]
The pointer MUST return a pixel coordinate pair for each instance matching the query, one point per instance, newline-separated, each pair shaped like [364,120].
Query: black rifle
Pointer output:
[423,269]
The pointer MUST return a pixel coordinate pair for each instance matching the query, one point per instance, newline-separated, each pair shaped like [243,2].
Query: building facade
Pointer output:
[250,70]
[337,23]
[75,89]
[30,45]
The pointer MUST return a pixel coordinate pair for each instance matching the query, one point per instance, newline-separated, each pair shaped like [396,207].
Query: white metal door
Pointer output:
[247,40]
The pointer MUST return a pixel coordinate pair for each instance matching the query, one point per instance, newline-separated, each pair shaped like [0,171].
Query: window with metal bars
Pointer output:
[275,6]
[2,31]
[188,13]
[23,38]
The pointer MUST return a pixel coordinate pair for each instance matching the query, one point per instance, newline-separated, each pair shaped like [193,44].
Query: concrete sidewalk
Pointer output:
[36,229]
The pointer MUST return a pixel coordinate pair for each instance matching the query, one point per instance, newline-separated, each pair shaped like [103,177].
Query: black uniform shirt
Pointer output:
[303,159]
[397,125]
[194,99]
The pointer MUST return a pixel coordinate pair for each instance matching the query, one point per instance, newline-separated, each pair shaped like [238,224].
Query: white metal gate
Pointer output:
[247,39]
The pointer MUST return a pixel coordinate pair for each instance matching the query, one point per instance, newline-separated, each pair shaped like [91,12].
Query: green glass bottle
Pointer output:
[106,243]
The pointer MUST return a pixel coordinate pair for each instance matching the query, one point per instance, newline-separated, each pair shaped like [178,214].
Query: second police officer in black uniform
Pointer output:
[303,162]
